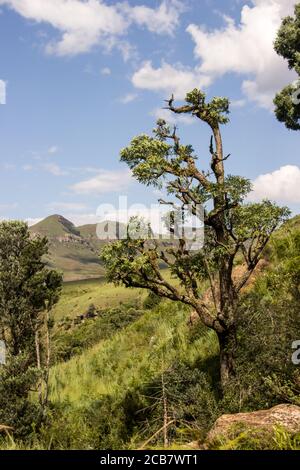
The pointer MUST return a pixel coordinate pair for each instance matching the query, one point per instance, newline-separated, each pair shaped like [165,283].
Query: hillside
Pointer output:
[111,389]
[73,250]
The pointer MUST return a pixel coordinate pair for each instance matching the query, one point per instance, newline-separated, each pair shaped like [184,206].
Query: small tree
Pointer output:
[232,228]
[28,291]
[287,45]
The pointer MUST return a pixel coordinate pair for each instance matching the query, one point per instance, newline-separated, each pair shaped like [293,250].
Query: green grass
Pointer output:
[76,261]
[131,357]
[54,226]
[74,253]
[77,296]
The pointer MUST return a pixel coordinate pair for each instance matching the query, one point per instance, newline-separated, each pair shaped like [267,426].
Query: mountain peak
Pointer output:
[55,226]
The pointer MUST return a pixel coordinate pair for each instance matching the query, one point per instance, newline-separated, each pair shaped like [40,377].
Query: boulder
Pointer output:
[286,416]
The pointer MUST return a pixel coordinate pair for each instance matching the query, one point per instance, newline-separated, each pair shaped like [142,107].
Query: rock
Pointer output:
[287,416]
[194,445]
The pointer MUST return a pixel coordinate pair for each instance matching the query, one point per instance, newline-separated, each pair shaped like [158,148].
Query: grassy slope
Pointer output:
[54,226]
[132,341]
[77,296]
[77,258]
[76,261]
[132,356]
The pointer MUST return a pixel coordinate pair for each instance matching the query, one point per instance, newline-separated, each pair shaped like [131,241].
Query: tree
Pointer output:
[232,228]
[28,291]
[287,45]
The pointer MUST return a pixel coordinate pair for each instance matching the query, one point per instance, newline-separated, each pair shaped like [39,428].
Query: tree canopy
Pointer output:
[287,45]
[233,228]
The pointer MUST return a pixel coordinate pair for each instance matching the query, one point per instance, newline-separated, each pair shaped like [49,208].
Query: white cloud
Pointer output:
[162,20]
[2,92]
[82,24]
[66,206]
[105,71]
[104,182]
[172,118]
[169,79]
[281,185]
[128,98]
[89,23]
[54,169]
[237,103]
[247,49]
[52,150]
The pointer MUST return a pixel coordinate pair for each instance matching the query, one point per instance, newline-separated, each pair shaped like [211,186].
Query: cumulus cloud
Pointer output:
[84,24]
[162,20]
[247,49]
[172,118]
[281,185]
[169,79]
[104,182]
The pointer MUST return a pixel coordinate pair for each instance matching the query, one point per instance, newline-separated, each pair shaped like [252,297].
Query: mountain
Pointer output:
[72,250]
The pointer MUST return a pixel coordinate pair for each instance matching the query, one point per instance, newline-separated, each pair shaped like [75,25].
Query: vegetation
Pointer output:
[179,337]
[72,250]
[287,45]
[28,291]
[233,228]
[117,378]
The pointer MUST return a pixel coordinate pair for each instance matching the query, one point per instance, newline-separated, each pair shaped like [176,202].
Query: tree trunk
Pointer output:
[227,343]
[38,363]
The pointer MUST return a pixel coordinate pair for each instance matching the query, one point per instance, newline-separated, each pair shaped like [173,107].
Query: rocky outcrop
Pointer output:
[287,416]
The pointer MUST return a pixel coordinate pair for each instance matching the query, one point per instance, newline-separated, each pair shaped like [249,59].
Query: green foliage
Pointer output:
[212,112]
[78,338]
[258,220]
[103,389]
[285,108]
[151,301]
[186,393]
[147,157]
[269,323]
[17,380]
[27,287]
[110,396]
[257,439]
[27,290]
[287,45]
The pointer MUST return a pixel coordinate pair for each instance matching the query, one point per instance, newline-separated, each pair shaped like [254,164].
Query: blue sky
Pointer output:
[84,77]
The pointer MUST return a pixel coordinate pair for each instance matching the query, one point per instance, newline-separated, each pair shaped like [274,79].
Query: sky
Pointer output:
[80,78]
